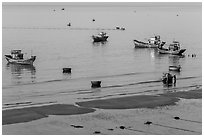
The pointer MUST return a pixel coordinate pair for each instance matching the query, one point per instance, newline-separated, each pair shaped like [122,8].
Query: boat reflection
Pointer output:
[99,43]
[20,72]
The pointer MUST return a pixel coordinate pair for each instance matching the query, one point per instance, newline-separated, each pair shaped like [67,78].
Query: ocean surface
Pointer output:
[42,30]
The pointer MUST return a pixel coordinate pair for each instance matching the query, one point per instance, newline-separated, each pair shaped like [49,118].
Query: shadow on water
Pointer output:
[99,43]
[18,70]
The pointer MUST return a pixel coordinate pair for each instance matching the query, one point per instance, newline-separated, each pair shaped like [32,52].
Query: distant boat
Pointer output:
[153,42]
[175,68]
[16,57]
[173,49]
[69,24]
[100,37]
[122,28]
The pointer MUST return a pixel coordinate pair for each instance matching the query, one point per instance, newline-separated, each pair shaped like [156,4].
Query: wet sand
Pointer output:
[29,114]
[142,101]
[130,102]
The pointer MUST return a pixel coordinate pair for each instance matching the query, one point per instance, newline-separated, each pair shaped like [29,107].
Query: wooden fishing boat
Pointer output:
[100,37]
[16,57]
[173,49]
[152,43]
[175,68]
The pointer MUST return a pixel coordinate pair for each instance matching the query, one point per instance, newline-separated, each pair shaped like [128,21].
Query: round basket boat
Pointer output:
[67,70]
[95,84]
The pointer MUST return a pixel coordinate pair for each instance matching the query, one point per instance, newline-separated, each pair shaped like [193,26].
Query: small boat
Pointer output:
[173,49]
[117,27]
[152,43]
[100,37]
[69,24]
[95,84]
[16,57]
[169,79]
[122,28]
[175,68]
[66,70]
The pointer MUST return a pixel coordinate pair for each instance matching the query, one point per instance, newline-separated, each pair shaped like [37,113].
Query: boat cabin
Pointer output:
[16,54]
[154,40]
[174,46]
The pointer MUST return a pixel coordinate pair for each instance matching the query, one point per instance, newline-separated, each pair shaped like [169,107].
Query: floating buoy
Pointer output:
[62,8]
[95,84]
[67,70]
[93,20]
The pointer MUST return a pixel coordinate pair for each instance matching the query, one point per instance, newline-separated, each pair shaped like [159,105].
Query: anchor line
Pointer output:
[191,121]
[176,128]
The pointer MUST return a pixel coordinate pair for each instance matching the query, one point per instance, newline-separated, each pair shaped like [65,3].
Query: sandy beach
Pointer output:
[124,115]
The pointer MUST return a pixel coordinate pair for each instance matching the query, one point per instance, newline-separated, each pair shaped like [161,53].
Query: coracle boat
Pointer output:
[175,68]
[152,43]
[173,49]
[16,57]
[100,37]
[169,79]
[95,84]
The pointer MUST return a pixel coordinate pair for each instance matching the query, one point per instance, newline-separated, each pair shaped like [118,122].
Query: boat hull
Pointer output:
[99,39]
[20,61]
[139,44]
[166,51]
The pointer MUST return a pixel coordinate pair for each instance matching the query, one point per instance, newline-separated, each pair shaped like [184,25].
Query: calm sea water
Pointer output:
[123,70]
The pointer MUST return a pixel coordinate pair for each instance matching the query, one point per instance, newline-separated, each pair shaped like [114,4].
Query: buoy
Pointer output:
[148,123]
[67,70]
[95,84]
[93,20]
[62,8]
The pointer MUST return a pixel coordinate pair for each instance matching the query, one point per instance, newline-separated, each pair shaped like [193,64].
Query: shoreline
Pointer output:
[23,115]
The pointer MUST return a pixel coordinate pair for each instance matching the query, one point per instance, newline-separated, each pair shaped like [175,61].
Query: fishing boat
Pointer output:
[16,57]
[102,36]
[153,42]
[168,78]
[173,49]
[175,68]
